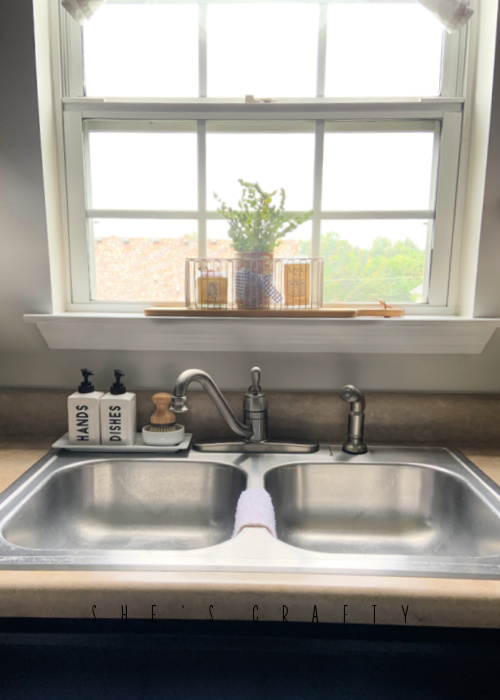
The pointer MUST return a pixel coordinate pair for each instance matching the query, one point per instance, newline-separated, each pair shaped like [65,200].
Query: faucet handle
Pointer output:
[255,386]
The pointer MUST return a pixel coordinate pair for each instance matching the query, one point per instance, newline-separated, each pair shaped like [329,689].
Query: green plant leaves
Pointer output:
[259,224]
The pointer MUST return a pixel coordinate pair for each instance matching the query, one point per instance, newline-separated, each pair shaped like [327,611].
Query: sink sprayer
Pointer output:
[355,443]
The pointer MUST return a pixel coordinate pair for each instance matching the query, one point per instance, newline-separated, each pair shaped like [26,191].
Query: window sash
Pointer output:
[76,109]
[80,216]
[452,68]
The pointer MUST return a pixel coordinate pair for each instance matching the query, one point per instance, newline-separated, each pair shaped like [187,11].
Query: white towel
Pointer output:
[255,509]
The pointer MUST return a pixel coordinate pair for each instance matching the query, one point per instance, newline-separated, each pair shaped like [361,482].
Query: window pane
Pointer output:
[263,49]
[141,260]
[143,170]
[382,49]
[142,50]
[295,244]
[274,160]
[377,171]
[370,260]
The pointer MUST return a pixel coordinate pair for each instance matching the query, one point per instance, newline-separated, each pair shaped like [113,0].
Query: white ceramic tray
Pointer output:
[139,446]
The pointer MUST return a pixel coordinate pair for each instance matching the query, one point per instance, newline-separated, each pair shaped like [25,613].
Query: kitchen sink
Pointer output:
[129,504]
[403,511]
[390,509]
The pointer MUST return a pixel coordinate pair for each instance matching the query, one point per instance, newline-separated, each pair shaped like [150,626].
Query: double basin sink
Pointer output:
[398,510]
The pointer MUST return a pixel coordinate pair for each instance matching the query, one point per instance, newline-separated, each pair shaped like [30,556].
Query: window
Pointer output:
[356,111]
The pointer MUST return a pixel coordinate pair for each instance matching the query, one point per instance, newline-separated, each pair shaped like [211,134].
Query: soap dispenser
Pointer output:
[84,426]
[118,414]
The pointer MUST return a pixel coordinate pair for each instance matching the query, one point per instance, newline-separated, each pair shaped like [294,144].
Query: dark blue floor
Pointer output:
[265,661]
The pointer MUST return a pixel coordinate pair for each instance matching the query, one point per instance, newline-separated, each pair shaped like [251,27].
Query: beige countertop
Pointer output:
[200,595]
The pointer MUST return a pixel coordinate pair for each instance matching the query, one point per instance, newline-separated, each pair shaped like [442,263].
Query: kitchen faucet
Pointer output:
[252,432]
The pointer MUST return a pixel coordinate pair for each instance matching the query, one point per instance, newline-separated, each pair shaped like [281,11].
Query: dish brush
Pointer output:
[162,420]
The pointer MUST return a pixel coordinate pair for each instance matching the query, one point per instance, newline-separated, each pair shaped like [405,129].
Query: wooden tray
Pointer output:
[333,312]
[384,313]
[252,313]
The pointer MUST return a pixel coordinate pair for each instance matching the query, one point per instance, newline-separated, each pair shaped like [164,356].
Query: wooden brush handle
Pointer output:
[162,415]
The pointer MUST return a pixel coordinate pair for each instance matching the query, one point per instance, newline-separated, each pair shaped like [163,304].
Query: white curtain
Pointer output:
[454,14]
[81,10]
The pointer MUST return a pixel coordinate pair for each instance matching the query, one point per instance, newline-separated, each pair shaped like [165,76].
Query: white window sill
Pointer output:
[410,334]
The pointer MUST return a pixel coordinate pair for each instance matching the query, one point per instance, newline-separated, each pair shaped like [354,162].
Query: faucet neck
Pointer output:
[197,375]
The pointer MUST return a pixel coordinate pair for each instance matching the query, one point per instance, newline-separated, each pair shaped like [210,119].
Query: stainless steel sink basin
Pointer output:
[388,509]
[129,504]
[392,511]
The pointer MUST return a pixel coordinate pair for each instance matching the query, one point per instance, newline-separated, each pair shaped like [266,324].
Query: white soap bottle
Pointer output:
[118,414]
[84,426]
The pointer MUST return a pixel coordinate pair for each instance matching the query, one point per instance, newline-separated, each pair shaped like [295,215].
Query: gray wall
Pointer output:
[25,286]
[315,372]
[24,272]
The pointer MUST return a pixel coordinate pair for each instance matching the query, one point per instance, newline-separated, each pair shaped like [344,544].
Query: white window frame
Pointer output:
[447,110]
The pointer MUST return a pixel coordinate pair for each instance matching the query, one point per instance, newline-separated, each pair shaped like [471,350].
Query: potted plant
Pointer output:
[255,230]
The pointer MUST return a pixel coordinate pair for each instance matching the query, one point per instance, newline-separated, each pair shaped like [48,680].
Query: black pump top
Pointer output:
[118,387]
[86,387]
